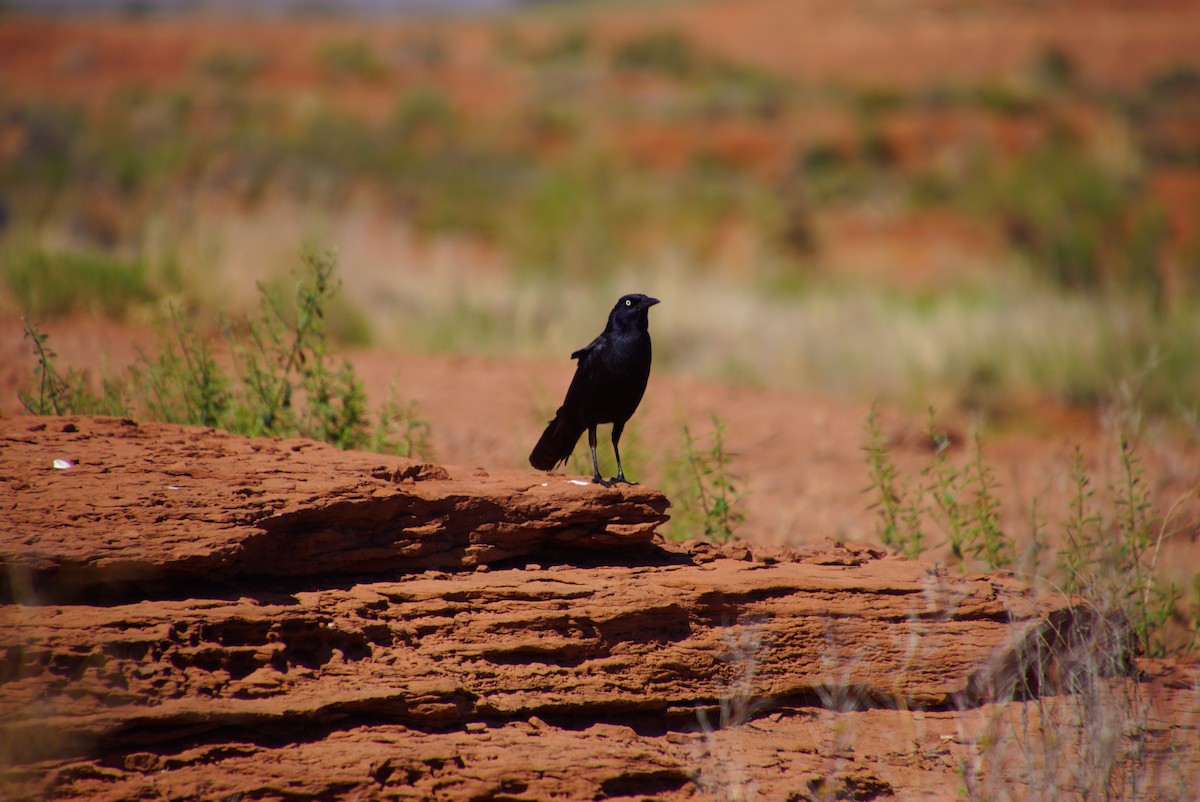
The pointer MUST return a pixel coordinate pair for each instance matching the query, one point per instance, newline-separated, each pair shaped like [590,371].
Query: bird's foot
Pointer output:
[620,479]
[599,480]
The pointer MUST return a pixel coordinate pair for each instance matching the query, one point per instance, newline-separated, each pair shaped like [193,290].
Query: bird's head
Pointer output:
[632,309]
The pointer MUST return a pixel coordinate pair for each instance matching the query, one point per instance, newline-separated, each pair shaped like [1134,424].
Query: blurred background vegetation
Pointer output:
[984,238]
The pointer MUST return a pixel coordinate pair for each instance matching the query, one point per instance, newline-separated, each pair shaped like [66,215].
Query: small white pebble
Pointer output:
[579,482]
[63,464]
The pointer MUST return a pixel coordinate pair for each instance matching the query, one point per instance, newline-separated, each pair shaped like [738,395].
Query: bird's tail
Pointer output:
[556,443]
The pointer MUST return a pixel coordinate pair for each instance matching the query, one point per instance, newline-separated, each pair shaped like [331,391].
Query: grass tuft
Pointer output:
[52,284]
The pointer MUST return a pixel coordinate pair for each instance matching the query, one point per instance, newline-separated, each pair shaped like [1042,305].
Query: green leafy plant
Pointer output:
[351,59]
[664,52]
[48,284]
[704,488]
[58,394]
[285,380]
[183,383]
[400,430]
[231,65]
[900,511]
[1107,556]
[1089,227]
[1113,559]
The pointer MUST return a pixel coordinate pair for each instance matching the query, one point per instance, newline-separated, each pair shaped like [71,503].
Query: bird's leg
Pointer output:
[616,437]
[596,478]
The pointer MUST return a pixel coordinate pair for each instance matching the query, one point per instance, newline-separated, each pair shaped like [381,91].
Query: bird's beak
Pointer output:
[649,302]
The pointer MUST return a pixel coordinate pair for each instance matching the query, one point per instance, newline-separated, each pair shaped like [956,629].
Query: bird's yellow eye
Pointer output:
[628,302]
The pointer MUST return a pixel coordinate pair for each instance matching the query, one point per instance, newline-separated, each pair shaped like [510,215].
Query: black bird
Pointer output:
[608,386]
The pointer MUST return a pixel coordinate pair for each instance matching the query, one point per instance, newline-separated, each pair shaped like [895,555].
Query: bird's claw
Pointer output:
[598,480]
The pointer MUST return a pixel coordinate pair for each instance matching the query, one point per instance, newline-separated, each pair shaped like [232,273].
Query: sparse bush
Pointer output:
[183,383]
[899,519]
[231,65]
[830,173]
[351,59]
[51,132]
[1107,556]
[703,488]
[400,430]
[56,394]
[875,101]
[1055,69]
[51,284]
[423,112]
[1072,721]
[1005,99]
[1087,227]
[1176,84]
[740,91]
[285,381]
[667,53]
[569,45]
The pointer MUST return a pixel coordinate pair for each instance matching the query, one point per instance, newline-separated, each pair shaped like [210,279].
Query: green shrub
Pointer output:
[423,112]
[703,489]
[1176,84]
[285,382]
[1109,556]
[350,59]
[666,53]
[231,65]
[1055,69]
[52,284]
[1086,227]
[56,394]
[566,46]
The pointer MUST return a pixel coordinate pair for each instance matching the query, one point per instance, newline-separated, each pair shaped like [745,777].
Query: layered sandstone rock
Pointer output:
[193,615]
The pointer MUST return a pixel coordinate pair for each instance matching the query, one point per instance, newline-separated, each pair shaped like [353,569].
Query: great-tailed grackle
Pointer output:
[609,382]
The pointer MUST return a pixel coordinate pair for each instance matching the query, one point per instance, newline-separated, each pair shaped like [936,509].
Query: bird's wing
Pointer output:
[585,376]
[594,347]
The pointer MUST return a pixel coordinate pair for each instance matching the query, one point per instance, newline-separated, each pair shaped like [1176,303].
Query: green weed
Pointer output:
[231,65]
[183,383]
[703,488]
[567,46]
[893,527]
[667,53]
[1087,227]
[285,380]
[351,59]
[400,429]
[1107,555]
[54,393]
[1055,70]
[52,284]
